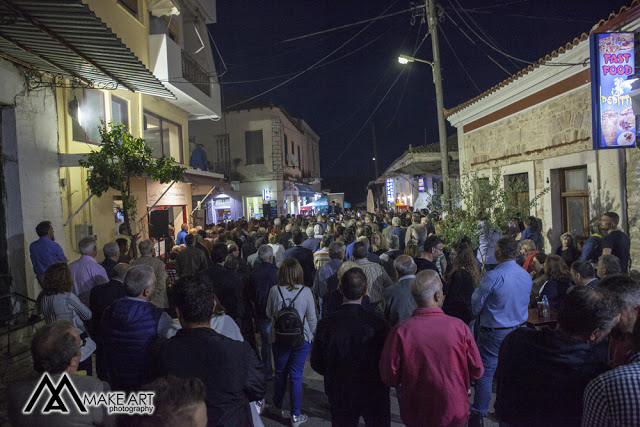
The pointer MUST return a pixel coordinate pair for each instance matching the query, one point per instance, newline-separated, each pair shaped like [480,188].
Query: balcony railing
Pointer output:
[195,74]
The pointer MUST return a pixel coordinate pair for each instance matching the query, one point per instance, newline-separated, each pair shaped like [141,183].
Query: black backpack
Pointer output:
[287,325]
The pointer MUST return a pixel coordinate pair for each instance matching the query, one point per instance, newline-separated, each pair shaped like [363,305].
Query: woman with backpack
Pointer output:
[292,311]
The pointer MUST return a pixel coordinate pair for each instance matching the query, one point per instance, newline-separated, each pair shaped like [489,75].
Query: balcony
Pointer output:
[180,73]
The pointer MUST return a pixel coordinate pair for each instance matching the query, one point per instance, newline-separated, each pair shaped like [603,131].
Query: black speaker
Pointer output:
[159,224]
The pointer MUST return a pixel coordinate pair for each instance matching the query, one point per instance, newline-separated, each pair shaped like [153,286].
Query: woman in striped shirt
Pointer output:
[56,301]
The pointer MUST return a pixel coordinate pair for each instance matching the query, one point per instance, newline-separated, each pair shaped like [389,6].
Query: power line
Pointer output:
[458,59]
[314,68]
[318,62]
[351,25]
[375,109]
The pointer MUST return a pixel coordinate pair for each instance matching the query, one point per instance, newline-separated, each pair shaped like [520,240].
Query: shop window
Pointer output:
[86,109]
[163,137]
[574,194]
[130,6]
[253,145]
[119,111]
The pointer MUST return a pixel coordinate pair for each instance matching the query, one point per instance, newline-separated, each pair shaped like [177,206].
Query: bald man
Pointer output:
[428,397]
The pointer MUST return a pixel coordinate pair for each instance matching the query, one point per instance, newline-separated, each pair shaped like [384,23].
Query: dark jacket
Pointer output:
[398,303]
[263,279]
[228,286]
[305,258]
[346,350]
[108,265]
[458,298]
[285,239]
[230,370]
[248,249]
[101,297]
[333,301]
[555,292]
[569,255]
[127,331]
[541,377]
[206,253]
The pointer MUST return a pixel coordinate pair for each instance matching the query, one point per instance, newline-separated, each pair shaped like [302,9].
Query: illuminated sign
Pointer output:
[614,122]
[420,185]
[390,191]
[266,194]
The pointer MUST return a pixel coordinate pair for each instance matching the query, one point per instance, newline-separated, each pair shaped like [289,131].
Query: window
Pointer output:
[253,145]
[163,137]
[293,148]
[299,159]
[519,184]
[86,110]
[119,111]
[286,147]
[130,6]
[222,148]
[574,194]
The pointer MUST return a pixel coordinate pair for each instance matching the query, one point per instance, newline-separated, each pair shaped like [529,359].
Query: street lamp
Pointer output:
[444,152]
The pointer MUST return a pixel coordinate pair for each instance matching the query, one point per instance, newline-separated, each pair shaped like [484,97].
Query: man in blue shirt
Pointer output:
[501,300]
[45,251]
[199,158]
[182,234]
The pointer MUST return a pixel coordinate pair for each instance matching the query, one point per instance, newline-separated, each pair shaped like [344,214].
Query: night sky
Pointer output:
[336,98]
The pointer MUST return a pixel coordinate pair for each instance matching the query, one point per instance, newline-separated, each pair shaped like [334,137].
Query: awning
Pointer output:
[198,177]
[66,39]
[305,190]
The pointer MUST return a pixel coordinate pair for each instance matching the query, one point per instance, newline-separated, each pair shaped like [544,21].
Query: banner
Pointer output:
[612,62]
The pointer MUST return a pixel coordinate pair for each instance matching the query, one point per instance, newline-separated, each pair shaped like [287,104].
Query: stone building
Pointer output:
[274,156]
[536,126]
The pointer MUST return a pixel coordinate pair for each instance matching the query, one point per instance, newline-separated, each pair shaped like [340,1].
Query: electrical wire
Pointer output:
[544,18]
[218,51]
[375,109]
[458,59]
[370,94]
[351,25]
[314,68]
[318,62]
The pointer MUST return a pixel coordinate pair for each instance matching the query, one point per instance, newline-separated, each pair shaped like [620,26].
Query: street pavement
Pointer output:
[316,405]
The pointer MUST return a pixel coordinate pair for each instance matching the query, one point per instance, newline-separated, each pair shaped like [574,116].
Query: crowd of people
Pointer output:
[376,301]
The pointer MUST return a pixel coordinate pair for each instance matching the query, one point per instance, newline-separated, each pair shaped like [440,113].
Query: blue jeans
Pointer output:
[488,344]
[264,327]
[289,364]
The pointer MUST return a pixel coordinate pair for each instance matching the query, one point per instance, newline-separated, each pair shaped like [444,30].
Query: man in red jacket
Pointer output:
[431,357]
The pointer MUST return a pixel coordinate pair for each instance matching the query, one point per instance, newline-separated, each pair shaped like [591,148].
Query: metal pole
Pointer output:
[437,80]
[78,210]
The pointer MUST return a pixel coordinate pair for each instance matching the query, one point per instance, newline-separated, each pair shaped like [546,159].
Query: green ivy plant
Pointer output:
[121,157]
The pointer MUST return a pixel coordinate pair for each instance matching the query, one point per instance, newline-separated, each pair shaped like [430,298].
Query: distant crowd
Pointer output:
[376,301]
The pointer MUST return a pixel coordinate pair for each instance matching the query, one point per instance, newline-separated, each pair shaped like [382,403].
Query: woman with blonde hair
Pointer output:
[379,243]
[278,249]
[289,360]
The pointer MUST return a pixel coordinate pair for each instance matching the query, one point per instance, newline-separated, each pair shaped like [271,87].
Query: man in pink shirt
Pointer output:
[86,271]
[431,357]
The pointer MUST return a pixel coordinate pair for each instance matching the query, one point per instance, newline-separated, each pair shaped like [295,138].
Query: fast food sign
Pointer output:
[612,64]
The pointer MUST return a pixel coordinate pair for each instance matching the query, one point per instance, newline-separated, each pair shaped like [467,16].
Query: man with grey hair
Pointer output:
[387,258]
[111,252]
[128,328]
[415,221]
[312,243]
[147,257]
[86,271]
[321,287]
[262,279]
[608,265]
[397,304]
[411,360]
[55,349]
[397,230]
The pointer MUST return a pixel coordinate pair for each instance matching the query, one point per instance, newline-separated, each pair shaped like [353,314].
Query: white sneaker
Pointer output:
[296,420]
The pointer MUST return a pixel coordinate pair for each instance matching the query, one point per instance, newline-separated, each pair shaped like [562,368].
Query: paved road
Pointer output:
[316,405]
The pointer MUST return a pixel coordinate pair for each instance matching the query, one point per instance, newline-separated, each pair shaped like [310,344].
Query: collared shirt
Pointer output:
[164,323]
[613,398]
[432,357]
[45,252]
[180,238]
[323,275]
[377,278]
[487,244]
[86,273]
[502,297]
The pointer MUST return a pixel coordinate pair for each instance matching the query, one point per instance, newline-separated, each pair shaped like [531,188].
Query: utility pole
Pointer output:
[432,20]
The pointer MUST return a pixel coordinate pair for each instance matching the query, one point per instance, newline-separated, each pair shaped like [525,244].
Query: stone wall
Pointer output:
[560,126]
[633,203]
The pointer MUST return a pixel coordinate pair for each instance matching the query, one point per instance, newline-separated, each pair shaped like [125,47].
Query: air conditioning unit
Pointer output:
[82,231]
